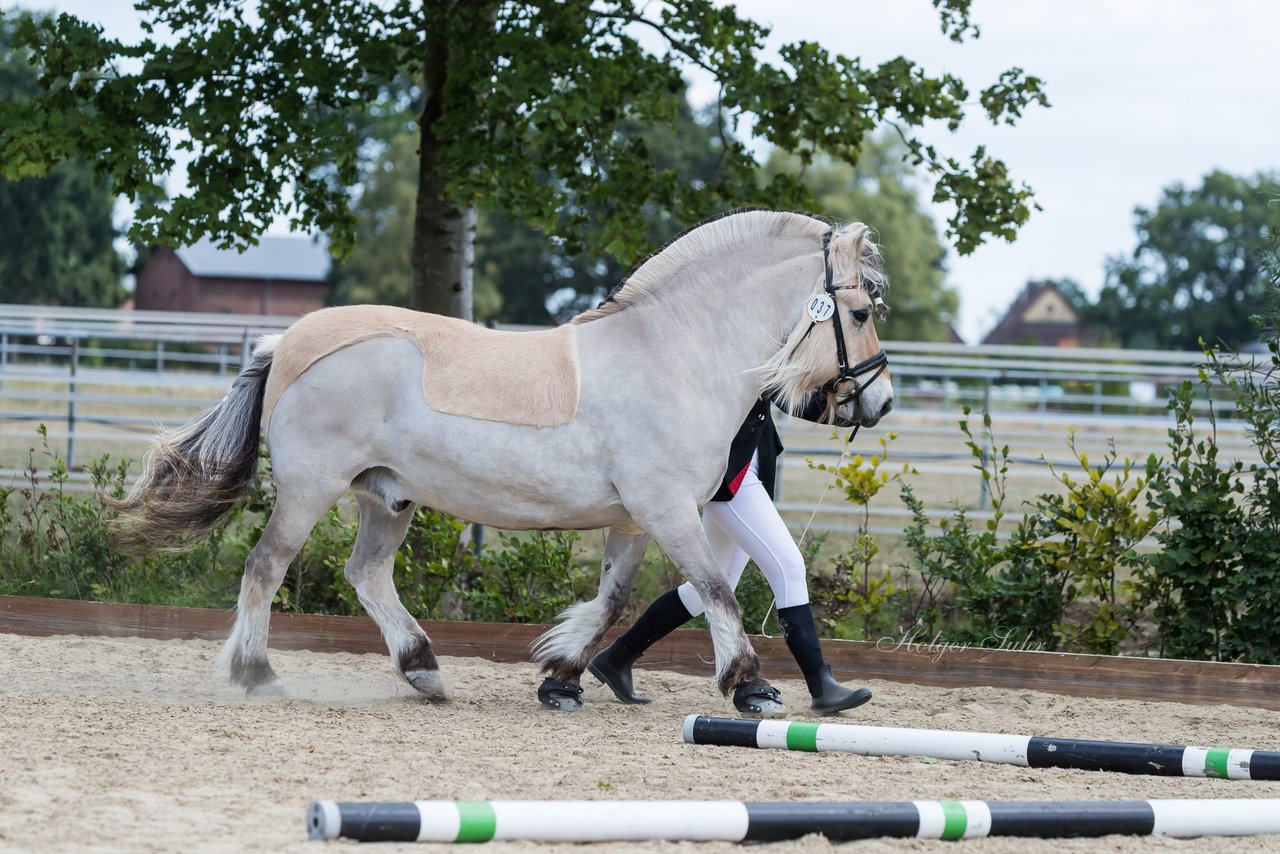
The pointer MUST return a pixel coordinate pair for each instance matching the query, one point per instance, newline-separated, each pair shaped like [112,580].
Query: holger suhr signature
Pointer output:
[913,640]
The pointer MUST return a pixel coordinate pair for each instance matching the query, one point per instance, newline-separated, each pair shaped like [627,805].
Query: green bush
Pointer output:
[1068,577]
[966,585]
[1088,538]
[854,601]
[1216,582]
[1193,573]
[56,543]
[528,579]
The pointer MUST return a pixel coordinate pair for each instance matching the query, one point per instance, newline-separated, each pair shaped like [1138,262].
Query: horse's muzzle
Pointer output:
[861,418]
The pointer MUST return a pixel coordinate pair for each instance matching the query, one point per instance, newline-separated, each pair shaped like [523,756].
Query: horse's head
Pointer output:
[833,346]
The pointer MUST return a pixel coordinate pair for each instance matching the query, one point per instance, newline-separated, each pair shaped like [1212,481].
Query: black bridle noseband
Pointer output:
[874,366]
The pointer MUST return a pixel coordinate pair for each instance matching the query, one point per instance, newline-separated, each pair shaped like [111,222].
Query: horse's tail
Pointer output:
[193,475]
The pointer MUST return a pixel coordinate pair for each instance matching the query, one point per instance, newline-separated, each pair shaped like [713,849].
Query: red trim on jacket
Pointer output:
[737,481]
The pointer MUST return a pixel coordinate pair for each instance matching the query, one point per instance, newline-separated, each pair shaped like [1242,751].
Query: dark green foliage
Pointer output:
[755,600]
[57,246]
[1201,555]
[527,107]
[1197,272]
[1088,536]
[1257,395]
[880,191]
[853,604]
[1215,581]
[430,566]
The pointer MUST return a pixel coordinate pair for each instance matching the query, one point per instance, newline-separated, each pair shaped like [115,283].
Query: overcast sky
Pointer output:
[1145,93]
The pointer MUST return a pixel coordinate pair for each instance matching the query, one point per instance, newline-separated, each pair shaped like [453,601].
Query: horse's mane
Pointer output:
[714,233]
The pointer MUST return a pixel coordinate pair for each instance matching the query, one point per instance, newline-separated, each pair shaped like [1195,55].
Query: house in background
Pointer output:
[281,276]
[1041,316]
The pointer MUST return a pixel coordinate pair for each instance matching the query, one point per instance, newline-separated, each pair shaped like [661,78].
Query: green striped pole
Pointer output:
[1029,751]
[738,821]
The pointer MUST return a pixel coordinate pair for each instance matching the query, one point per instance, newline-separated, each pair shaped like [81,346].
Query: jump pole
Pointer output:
[737,821]
[1165,760]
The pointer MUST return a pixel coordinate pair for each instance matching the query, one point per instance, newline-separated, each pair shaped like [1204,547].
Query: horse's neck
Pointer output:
[714,326]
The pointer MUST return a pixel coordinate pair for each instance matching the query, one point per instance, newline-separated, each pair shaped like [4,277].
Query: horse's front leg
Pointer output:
[564,650]
[682,537]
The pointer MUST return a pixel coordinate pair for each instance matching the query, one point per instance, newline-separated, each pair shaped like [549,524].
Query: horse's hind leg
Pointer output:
[563,652]
[681,536]
[245,652]
[370,570]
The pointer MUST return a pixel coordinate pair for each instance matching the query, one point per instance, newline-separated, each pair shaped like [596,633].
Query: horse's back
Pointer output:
[527,378]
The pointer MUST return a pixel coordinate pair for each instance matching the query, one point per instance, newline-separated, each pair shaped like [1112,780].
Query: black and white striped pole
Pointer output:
[736,821]
[1029,751]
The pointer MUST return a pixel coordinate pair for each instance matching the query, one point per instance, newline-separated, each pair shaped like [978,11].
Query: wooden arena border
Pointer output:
[689,651]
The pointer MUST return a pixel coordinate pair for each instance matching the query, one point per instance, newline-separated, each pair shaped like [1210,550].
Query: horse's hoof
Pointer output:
[560,696]
[759,701]
[429,683]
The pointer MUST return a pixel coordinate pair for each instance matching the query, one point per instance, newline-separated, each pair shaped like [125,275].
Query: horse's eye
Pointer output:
[861,314]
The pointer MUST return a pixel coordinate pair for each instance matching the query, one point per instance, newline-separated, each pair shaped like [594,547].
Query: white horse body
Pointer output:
[665,381]
[458,465]
[667,435]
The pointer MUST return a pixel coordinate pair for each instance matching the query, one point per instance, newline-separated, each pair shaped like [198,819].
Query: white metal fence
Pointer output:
[101,381]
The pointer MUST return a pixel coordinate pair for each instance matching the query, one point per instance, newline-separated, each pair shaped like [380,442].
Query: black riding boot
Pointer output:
[801,634]
[612,665]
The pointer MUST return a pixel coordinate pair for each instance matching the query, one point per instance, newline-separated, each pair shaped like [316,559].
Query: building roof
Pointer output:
[1040,314]
[298,259]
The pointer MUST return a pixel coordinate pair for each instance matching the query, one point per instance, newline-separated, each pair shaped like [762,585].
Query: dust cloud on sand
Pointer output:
[136,745]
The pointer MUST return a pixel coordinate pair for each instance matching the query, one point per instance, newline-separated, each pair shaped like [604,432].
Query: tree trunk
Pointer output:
[444,234]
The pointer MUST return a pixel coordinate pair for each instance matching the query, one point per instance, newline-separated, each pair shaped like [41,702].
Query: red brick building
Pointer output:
[1042,316]
[280,276]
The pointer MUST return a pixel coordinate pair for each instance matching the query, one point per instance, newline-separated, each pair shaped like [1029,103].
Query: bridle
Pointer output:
[874,366]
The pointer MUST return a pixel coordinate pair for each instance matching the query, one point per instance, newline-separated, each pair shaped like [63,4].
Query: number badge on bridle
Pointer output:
[821,307]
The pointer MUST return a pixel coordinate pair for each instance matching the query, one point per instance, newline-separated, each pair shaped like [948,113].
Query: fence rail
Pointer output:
[102,381]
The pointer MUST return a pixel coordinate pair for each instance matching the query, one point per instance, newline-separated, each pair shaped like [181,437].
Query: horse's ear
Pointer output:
[856,258]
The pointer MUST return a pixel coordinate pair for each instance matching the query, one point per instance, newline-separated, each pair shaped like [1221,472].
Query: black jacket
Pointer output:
[758,433]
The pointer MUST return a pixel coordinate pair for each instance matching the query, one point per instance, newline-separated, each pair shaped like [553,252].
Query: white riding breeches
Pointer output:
[749,528]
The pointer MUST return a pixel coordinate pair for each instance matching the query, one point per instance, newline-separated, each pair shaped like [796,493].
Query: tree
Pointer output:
[1196,273]
[378,268]
[542,281]
[879,191]
[57,237]
[522,275]
[267,99]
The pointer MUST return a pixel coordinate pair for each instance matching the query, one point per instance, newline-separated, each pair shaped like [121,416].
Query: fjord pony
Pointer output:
[621,419]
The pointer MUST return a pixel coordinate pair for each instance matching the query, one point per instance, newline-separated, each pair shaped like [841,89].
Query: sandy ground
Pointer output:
[134,745]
